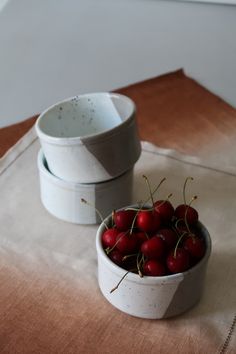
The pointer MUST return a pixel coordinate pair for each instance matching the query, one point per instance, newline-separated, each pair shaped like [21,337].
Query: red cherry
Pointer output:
[153,248]
[140,237]
[124,219]
[165,209]
[148,221]
[191,214]
[178,260]
[109,238]
[169,236]
[126,243]
[195,246]
[154,268]
[116,257]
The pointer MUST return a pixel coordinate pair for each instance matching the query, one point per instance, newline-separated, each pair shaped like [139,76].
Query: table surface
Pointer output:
[173,111]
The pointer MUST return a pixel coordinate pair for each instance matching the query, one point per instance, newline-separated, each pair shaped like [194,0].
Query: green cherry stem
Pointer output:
[138,265]
[143,203]
[166,200]
[175,227]
[109,250]
[155,190]
[186,212]
[133,222]
[177,244]
[149,188]
[129,256]
[112,218]
[97,211]
[184,188]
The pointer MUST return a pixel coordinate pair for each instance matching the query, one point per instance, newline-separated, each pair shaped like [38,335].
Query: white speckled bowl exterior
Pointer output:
[63,199]
[151,297]
[90,138]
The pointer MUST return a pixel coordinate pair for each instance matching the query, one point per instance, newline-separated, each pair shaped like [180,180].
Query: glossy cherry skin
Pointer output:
[116,257]
[126,243]
[191,216]
[169,236]
[153,248]
[195,246]
[154,268]
[165,209]
[178,262]
[109,237]
[140,237]
[124,219]
[148,221]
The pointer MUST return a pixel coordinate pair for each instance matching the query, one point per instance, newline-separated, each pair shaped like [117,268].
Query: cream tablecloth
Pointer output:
[49,297]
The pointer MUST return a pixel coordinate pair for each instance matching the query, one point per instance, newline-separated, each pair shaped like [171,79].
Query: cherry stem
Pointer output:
[138,265]
[177,222]
[177,244]
[149,188]
[112,218]
[186,212]
[158,186]
[116,287]
[184,188]
[135,217]
[155,190]
[133,222]
[129,256]
[175,227]
[109,250]
[97,211]
[142,204]
[146,235]
[151,195]
[166,200]
[140,209]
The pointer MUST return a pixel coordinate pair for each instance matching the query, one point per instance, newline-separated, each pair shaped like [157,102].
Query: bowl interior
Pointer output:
[85,115]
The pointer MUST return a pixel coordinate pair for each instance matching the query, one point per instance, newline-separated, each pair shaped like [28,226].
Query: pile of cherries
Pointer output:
[157,240]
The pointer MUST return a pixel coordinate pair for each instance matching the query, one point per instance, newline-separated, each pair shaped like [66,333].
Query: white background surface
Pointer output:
[230,2]
[53,49]
[3,3]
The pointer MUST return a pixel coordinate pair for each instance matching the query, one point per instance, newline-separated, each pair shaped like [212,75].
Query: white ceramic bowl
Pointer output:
[90,138]
[151,297]
[63,199]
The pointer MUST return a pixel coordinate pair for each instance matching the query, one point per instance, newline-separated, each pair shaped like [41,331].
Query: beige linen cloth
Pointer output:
[49,296]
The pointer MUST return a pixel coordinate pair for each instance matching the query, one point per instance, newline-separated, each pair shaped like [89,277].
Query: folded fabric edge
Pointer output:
[189,159]
[16,150]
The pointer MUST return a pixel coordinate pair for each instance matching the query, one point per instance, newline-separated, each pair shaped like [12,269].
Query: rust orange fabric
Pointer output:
[173,111]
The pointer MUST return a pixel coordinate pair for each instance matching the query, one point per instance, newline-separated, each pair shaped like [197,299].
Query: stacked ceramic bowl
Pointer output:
[90,145]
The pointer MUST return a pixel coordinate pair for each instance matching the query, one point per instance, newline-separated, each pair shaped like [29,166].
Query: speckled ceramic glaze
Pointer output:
[90,138]
[63,199]
[151,297]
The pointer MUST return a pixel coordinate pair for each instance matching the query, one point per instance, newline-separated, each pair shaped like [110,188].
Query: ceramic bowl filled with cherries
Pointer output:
[152,256]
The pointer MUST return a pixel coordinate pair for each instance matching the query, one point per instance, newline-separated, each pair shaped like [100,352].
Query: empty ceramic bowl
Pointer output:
[90,138]
[152,297]
[63,199]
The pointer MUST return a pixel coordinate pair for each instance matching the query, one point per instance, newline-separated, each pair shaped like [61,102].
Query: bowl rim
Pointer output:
[150,280]
[89,138]
[41,161]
